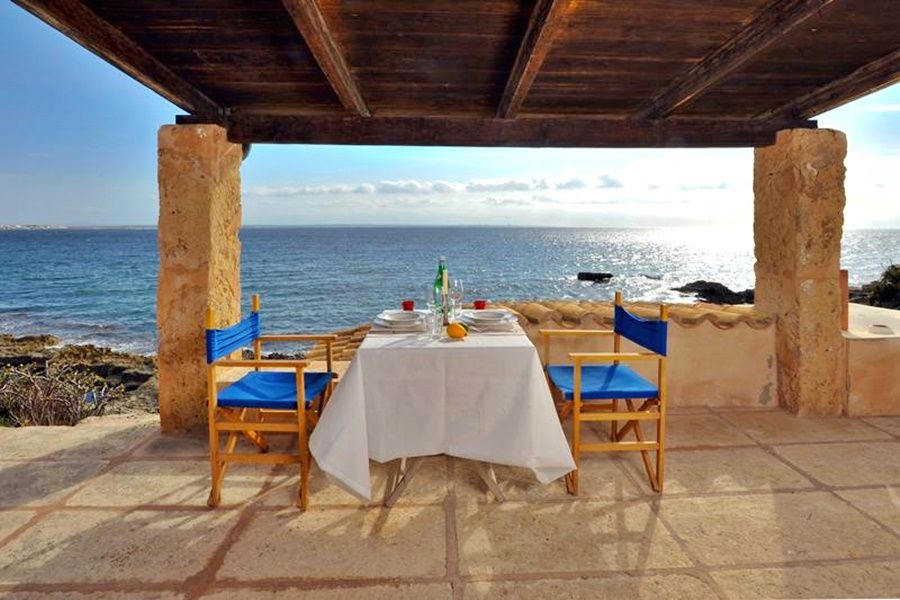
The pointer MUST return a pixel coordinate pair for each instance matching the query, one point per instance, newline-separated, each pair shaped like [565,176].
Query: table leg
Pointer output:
[486,472]
[399,478]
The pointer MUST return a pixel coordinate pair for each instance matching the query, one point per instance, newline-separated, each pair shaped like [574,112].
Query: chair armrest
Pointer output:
[298,338]
[576,332]
[282,364]
[594,357]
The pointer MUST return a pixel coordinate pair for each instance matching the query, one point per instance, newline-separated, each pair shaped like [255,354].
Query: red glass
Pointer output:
[480,304]
[408,304]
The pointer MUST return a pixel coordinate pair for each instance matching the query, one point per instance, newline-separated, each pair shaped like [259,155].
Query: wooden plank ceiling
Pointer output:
[496,72]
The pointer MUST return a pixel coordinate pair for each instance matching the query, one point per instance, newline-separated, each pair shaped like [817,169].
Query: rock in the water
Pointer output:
[715,292]
[592,276]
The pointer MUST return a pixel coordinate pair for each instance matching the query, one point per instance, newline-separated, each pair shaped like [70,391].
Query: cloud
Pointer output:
[439,186]
[608,182]
[703,186]
[571,184]
[492,201]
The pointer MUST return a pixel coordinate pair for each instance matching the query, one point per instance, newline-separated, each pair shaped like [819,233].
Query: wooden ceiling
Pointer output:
[495,72]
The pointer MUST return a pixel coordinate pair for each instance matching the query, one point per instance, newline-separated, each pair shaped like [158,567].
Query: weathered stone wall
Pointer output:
[799,189]
[200,259]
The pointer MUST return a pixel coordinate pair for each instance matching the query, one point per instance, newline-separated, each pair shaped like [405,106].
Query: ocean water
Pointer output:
[99,285]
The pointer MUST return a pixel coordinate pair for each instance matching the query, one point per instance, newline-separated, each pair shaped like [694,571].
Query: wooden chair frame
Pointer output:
[603,410]
[254,423]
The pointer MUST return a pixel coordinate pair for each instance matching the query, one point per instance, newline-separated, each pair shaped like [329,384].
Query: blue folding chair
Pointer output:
[590,390]
[262,402]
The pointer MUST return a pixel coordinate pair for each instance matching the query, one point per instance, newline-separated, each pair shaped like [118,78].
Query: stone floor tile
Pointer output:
[105,595]
[771,528]
[176,445]
[37,483]
[689,430]
[108,546]
[723,470]
[862,463]
[889,424]
[601,476]
[621,587]
[10,520]
[170,482]
[563,537]
[779,427]
[882,504]
[396,591]
[429,485]
[401,541]
[79,442]
[846,580]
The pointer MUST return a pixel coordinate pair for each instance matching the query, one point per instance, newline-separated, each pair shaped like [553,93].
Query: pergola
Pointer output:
[532,73]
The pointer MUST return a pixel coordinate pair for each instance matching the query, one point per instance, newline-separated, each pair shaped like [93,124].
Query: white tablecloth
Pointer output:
[405,395]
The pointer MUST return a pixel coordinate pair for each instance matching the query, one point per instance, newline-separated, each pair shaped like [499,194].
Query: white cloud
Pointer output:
[571,184]
[608,182]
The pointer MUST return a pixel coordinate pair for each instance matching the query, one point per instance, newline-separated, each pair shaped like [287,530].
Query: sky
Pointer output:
[79,148]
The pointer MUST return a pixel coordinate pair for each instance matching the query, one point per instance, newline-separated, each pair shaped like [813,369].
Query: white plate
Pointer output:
[403,326]
[488,316]
[401,316]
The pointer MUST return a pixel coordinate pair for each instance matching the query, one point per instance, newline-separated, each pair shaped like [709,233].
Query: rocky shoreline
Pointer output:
[135,373]
[883,292]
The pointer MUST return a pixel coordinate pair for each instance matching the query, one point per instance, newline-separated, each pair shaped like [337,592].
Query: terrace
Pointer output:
[759,502]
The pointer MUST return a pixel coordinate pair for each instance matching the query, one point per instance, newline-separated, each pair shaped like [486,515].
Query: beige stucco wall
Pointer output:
[799,203]
[199,260]
[708,366]
[873,376]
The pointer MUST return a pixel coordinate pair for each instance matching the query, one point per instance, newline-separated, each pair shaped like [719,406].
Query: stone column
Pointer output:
[199,260]
[798,219]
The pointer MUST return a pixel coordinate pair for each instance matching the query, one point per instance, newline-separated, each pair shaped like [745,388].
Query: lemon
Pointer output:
[457,331]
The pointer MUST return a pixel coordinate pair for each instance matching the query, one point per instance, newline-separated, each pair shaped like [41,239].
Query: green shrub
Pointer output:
[52,395]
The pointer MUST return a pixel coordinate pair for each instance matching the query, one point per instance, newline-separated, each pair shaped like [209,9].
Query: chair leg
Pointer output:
[645,456]
[572,478]
[215,495]
[661,451]
[614,425]
[303,441]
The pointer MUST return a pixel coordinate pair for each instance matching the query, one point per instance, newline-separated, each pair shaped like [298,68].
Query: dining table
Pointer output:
[408,395]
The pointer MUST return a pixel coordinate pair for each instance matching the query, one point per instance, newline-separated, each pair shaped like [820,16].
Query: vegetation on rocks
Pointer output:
[883,292]
[52,394]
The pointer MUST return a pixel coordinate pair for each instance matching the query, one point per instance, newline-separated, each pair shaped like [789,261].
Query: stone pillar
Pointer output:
[199,260]
[798,218]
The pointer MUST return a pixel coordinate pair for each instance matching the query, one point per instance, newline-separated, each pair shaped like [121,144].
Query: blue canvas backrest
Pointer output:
[651,334]
[220,342]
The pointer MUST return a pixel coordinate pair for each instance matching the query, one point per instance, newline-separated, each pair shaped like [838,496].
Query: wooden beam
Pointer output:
[312,26]
[76,21]
[524,132]
[869,78]
[772,23]
[547,18]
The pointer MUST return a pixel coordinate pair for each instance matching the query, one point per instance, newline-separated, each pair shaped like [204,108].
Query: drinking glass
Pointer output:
[456,297]
[434,320]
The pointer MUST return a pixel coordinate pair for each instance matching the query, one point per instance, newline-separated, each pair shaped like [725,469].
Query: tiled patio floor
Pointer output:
[757,504]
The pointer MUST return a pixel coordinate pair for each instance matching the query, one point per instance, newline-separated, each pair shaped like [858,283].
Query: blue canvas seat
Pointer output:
[601,382]
[273,390]
[262,402]
[593,385]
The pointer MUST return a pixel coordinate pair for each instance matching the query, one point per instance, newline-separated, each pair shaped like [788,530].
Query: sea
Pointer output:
[98,285]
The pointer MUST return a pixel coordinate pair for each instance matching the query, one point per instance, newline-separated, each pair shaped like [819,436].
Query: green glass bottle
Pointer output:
[440,288]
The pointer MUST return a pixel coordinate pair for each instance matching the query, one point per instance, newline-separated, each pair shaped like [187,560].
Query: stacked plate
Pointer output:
[400,320]
[488,320]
